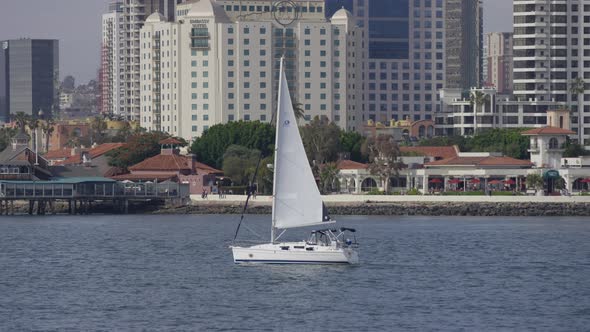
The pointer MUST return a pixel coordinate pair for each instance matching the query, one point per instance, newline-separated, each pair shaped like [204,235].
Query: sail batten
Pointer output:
[297,199]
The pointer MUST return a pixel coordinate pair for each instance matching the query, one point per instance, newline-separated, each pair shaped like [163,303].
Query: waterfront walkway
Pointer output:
[356,199]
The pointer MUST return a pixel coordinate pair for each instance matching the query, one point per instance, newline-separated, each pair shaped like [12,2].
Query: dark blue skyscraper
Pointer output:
[28,76]
[387,22]
[414,48]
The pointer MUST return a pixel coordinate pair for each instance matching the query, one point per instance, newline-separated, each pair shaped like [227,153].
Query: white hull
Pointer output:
[297,253]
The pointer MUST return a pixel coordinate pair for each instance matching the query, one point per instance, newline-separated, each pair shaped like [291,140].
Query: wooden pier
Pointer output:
[81,194]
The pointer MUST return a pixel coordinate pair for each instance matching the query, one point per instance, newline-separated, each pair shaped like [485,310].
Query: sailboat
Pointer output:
[297,203]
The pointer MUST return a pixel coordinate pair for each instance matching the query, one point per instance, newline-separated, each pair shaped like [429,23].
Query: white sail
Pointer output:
[297,200]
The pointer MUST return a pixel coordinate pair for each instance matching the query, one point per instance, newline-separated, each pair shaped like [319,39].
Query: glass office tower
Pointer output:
[29,76]
[407,56]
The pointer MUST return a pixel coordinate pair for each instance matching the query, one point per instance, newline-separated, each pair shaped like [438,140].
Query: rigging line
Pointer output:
[272,120]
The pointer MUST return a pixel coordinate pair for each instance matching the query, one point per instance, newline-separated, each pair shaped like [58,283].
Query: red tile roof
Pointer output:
[432,151]
[58,154]
[349,164]
[94,153]
[145,177]
[171,141]
[481,161]
[548,131]
[171,162]
[206,168]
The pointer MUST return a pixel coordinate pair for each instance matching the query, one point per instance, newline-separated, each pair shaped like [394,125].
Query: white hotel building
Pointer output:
[111,75]
[219,62]
[551,50]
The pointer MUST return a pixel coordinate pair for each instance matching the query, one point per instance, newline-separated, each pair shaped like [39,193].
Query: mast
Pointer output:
[274,176]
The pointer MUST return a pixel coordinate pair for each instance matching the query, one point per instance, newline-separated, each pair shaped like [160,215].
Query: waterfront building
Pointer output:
[414,49]
[550,54]
[498,46]
[28,77]
[460,116]
[219,62]
[83,163]
[547,145]
[171,166]
[19,162]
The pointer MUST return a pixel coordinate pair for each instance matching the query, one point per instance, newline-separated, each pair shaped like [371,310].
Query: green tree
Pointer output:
[21,120]
[535,181]
[352,142]
[122,134]
[383,153]
[265,175]
[6,134]
[138,148]
[211,146]
[299,111]
[329,180]
[321,140]
[509,142]
[460,141]
[573,150]
[98,125]
[239,164]
[33,125]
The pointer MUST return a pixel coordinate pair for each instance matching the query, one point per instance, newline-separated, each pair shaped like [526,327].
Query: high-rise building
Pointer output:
[29,74]
[219,62]
[498,46]
[111,73]
[550,56]
[463,21]
[130,15]
[415,48]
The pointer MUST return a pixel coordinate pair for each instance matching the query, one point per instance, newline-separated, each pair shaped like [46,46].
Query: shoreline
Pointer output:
[365,205]
[414,206]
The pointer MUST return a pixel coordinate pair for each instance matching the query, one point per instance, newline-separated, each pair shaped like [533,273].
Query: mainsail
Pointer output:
[297,200]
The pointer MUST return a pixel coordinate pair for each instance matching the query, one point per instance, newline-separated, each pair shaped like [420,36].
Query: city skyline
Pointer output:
[77,25]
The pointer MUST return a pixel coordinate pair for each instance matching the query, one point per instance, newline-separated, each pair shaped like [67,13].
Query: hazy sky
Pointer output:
[76,23]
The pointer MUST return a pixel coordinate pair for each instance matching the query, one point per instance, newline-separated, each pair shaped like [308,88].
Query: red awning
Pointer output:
[436,180]
[475,181]
[510,181]
[455,181]
[495,182]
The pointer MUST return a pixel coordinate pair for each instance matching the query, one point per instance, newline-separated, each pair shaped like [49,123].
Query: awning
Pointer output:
[551,174]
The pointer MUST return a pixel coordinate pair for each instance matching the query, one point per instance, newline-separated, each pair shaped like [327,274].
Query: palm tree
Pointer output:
[48,127]
[577,88]
[33,125]
[329,180]
[535,181]
[477,99]
[21,120]
[299,112]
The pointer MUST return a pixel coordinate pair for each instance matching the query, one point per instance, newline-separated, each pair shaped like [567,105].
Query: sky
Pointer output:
[76,23]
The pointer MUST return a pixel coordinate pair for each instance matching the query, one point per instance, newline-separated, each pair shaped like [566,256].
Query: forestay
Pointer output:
[297,200]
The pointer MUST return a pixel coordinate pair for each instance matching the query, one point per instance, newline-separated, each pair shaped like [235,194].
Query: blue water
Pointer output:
[175,273]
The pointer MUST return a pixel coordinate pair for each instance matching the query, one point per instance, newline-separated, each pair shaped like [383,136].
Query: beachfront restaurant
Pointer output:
[463,172]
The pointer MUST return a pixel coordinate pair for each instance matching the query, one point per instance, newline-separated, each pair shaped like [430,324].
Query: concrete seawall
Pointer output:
[408,205]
